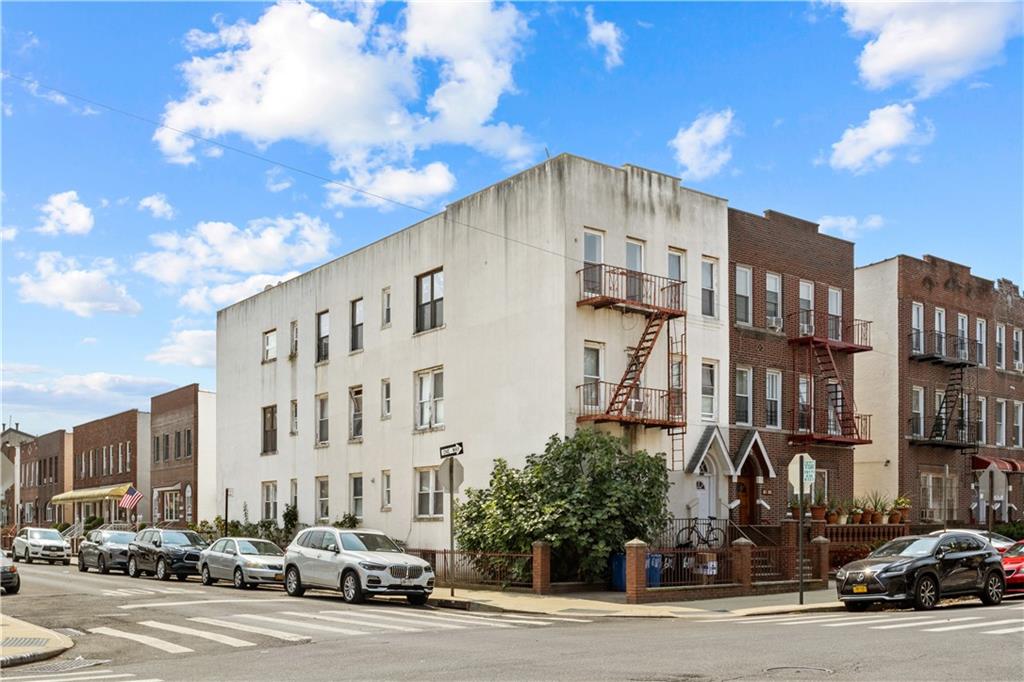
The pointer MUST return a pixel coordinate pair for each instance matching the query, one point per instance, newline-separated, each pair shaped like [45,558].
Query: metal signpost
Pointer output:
[807,470]
[450,469]
[227,494]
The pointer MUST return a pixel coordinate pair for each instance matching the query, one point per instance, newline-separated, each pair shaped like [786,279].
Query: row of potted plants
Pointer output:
[872,508]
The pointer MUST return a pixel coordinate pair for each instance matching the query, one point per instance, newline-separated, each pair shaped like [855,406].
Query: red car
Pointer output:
[1013,566]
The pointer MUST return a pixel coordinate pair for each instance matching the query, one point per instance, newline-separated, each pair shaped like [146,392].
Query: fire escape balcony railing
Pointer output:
[941,348]
[824,425]
[842,334]
[603,285]
[647,406]
[957,433]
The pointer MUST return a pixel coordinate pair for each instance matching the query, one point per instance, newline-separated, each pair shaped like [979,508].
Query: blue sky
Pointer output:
[896,125]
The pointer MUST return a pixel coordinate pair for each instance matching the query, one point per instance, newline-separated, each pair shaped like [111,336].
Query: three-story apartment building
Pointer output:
[183,449]
[573,294]
[947,393]
[45,473]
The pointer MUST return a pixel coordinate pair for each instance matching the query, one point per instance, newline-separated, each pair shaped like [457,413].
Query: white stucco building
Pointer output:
[337,388]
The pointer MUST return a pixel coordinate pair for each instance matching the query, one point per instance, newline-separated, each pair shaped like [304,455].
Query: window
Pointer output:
[773,399]
[940,410]
[430,300]
[385,399]
[188,443]
[707,287]
[356,493]
[120,458]
[707,391]
[103,461]
[1001,346]
[355,401]
[323,336]
[269,429]
[270,501]
[128,456]
[743,395]
[804,396]
[430,398]
[743,282]
[591,376]
[156,448]
[962,348]
[940,331]
[773,300]
[92,462]
[836,406]
[916,411]
[916,327]
[293,493]
[429,495]
[177,445]
[593,256]
[981,334]
[1000,422]
[167,446]
[1018,340]
[294,349]
[938,494]
[322,502]
[270,345]
[293,418]
[835,314]
[385,489]
[634,264]
[385,307]
[674,294]
[806,302]
[322,419]
[1018,424]
[356,332]
[982,420]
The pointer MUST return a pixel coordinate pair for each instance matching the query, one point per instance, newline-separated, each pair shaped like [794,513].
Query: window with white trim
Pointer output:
[982,420]
[1001,346]
[429,493]
[323,336]
[708,388]
[385,307]
[356,325]
[322,419]
[591,375]
[805,401]
[916,411]
[355,422]
[293,418]
[743,382]
[916,327]
[293,493]
[938,494]
[1018,340]
[270,500]
[294,336]
[981,336]
[385,398]
[270,345]
[806,302]
[356,495]
[430,398]
[1018,424]
[742,294]
[773,300]
[385,489]
[593,257]
[773,399]
[708,287]
[1000,422]
[323,507]
[940,331]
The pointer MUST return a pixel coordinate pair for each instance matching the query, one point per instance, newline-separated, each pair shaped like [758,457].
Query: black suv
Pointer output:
[164,552]
[920,570]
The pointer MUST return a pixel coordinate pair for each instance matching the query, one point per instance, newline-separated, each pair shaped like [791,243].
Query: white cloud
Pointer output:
[701,149]
[872,144]
[37,90]
[352,84]
[277,181]
[405,185]
[8,233]
[931,45]
[605,35]
[60,282]
[63,212]
[209,298]
[157,205]
[8,109]
[215,250]
[189,347]
[848,226]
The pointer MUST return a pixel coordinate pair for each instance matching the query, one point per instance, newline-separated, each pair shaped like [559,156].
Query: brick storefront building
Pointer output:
[182,447]
[110,454]
[792,340]
[947,389]
[44,472]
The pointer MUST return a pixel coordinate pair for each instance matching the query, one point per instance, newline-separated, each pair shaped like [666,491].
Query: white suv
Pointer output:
[45,544]
[359,562]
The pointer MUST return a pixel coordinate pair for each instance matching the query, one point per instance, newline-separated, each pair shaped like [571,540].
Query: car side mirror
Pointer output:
[230,552]
[939,553]
[156,543]
[332,548]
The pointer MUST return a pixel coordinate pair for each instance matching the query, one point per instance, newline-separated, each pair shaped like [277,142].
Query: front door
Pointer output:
[746,493]
[706,492]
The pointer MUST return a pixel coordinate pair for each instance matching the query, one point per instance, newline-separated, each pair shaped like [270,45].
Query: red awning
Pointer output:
[979,463]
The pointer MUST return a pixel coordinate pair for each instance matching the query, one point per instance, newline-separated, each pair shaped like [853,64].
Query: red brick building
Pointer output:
[11,440]
[44,472]
[109,455]
[181,422]
[792,340]
[946,387]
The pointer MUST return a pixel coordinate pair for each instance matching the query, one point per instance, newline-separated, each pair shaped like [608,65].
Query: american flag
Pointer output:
[130,499]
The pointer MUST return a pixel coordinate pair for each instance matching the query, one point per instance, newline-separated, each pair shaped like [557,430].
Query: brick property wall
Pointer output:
[90,439]
[795,250]
[176,414]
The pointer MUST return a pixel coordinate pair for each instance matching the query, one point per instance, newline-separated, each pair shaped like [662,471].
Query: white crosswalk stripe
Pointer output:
[452,619]
[1005,631]
[92,674]
[918,623]
[503,619]
[834,618]
[254,629]
[192,632]
[377,617]
[154,642]
[560,619]
[974,625]
[855,621]
[344,617]
[301,625]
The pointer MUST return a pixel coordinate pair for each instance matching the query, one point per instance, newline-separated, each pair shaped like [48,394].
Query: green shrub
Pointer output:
[1013,530]
[347,521]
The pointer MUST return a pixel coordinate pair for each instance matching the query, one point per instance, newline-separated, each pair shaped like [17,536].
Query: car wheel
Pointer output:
[161,570]
[926,593]
[27,557]
[182,577]
[82,568]
[206,577]
[101,565]
[293,583]
[351,590]
[67,562]
[13,589]
[416,599]
[14,556]
[238,579]
[133,568]
[857,606]
[52,562]
[992,594]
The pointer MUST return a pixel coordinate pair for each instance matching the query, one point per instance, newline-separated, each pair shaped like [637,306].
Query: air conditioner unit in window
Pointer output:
[775,324]
[806,329]
[1019,365]
[635,406]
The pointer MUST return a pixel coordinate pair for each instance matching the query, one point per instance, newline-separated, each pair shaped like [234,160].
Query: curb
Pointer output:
[463,605]
[64,644]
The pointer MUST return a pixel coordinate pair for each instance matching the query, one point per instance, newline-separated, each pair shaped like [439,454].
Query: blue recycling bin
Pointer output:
[618,566]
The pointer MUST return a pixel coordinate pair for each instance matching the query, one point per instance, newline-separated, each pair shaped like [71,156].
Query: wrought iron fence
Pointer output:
[643,404]
[692,567]
[694,533]
[611,283]
[461,567]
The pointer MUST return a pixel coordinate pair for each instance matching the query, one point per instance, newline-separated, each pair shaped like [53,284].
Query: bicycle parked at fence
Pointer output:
[701,534]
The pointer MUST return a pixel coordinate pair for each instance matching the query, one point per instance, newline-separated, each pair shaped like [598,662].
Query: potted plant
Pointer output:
[833,513]
[867,509]
[819,506]
[856,511]
[843,510]
[878,507]
[902,505]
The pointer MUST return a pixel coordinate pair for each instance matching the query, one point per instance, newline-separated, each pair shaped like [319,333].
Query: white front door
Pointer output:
[707,491]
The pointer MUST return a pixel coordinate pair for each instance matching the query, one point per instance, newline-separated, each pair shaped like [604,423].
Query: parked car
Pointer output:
[1000,542]
[360,563]
[1013,567]
[922,569]
[246,562]
[44,544]
[104,550]
[10,580]
[164,552]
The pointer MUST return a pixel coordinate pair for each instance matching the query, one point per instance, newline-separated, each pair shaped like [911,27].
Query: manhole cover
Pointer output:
[791,671]
[23,641]
[64,666]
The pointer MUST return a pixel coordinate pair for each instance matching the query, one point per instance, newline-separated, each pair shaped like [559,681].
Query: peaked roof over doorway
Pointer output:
[711,439]
[752,443]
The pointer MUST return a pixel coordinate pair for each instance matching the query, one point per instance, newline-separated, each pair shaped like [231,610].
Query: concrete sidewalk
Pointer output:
[27,643]
[603,604]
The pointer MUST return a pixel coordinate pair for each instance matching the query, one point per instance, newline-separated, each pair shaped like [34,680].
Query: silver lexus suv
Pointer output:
[360,563]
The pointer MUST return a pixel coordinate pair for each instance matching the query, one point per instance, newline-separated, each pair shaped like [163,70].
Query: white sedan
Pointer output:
[44,544]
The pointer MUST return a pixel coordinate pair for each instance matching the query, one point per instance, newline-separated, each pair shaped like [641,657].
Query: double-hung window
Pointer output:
[916,411]
[156,448]
[773,399]
[675,295]
[323,507]
[356,331]
[743,287]
[982,420]
[916,327]
[430,300]
[177,445]
[1001,346]
[708,275]
[743,396]
[356,495]
[323,336]
[963,347]
[773,300]
[355,399]
[188,443]
[1018,424]
[429,494]
[1000,422]
[293,350]
[270,345]
[385,489]
[591,376]
[430,398]
[940,331]
[708,397]
[322,419]
[270,500]
[981,336]
[804,397]
[269,430]
[385,307]
[385,399]
[806,302]
[593,256]
[293,418]
[167,446]
[1018,341]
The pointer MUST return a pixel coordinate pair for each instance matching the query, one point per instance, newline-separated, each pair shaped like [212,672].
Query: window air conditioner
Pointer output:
[1019,365]
[806,329]
[635,405]
[775,324]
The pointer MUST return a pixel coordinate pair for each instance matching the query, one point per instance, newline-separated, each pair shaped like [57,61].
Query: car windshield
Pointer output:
[1016,550]
[369,542]
[182,538]
[44,535]
[908,547]
[118,538]
[259,547]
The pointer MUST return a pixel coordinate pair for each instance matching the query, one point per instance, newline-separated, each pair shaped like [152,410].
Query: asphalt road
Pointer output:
[147,630]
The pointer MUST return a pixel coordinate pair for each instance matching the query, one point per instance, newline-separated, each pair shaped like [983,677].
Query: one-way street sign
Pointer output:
[451,450]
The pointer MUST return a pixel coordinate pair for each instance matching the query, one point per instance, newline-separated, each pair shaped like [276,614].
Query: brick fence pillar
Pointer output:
[636,570]
[787,563]
[741,562]
[541,567]
[820,558]
[817,527]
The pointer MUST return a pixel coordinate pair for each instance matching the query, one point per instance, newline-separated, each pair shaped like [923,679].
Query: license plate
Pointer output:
[278,576]
[860,589]
[406,581]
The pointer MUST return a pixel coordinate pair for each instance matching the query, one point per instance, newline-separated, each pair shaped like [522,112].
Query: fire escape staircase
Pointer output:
[630,381]
[841,405]
[951,424]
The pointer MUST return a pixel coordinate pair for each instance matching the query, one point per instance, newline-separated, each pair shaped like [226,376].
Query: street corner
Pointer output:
[22,642]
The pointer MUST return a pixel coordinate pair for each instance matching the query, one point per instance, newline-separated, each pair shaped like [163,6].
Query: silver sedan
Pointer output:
[246,562]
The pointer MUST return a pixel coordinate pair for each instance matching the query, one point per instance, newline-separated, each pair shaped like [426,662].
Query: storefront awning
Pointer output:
[979,463]
[109,492]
